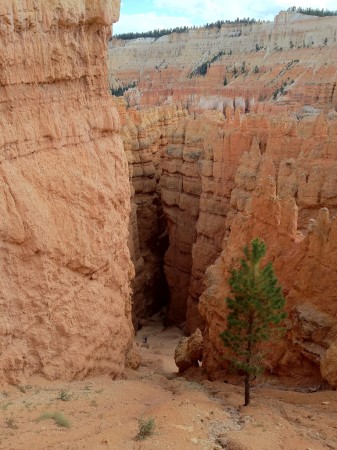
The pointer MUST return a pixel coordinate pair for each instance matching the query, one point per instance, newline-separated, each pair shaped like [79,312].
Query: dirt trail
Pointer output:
[104,414]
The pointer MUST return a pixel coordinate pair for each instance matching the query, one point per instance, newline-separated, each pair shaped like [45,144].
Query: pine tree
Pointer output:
[256,310]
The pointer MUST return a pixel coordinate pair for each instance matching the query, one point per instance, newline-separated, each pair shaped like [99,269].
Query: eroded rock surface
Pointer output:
[210,171]
[189,351]
[271,66]
[303,263]
[329,365]
[64,195]
[169,153]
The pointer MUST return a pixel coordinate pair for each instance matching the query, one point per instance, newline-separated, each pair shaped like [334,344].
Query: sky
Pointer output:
[145,15]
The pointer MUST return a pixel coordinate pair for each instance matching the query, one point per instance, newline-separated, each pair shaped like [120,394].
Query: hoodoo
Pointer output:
[223,163]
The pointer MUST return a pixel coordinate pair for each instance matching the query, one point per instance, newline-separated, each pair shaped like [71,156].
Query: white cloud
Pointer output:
[175,13]
[148,21]
[325,4]
[218,9]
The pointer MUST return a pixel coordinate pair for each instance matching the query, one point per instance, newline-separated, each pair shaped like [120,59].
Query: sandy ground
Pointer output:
[104,414]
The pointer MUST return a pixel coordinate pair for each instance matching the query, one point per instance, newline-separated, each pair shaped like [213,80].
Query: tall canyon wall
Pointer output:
[64,194]
[222,181]
[170,155]
[247,149]
[285,193]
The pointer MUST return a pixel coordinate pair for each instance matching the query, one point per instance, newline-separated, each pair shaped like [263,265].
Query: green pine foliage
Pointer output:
[256,312]
[119,92]
[312,11]
[165,31]
[152,33]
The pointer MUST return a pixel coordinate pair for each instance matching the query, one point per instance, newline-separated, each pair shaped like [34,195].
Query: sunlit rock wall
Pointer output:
[64,194]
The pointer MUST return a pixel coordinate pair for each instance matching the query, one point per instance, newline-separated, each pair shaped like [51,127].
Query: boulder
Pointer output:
[189,351]
[329,365]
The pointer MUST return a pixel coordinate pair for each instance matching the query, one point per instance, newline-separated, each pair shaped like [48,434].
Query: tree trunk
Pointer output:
[248,360]
[247,389]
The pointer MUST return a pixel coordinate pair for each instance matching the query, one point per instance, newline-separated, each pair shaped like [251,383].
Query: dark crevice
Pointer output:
[150,288]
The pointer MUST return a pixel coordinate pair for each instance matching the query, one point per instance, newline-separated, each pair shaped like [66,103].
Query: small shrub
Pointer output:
[11,423]
[4,406]
[23,387]
[145,428]
[64,395]
[202,69]
[58,418]
[121,89]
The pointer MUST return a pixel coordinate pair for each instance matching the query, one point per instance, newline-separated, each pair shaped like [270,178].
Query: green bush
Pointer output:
[145,428]
[64,395]
[58,418]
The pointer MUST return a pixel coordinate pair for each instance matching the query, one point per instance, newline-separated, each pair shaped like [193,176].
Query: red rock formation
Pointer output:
[167,152]
[273,201]
[64,198]
[144,136]
[275,116]
[209,184]
[280,65]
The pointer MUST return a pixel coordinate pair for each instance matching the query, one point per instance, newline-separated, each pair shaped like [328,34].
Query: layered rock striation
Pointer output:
[176,228]
[254,156]
[263,66]
[144,136]
[64,197]
[221,182]
[283,189]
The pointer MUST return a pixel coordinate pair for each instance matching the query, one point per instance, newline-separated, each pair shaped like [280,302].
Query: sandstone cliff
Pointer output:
[64,197]
[280,65]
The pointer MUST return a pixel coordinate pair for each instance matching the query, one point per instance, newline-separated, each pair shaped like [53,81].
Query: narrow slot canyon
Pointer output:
[207,184]
[166,156]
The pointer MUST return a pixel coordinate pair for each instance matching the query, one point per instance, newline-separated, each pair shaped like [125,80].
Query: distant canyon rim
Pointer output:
[113,208]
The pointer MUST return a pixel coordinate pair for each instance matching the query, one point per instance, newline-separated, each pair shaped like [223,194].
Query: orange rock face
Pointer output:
[144,137]
[168,155]
[64,197]
[285,206]
[222,182]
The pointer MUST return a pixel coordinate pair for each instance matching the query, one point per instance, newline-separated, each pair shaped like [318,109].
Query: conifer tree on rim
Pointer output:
[256,312]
